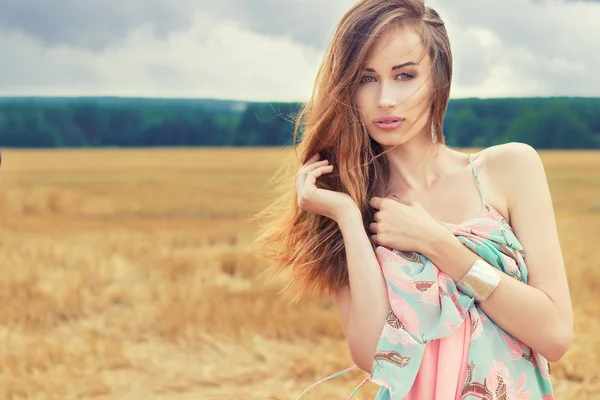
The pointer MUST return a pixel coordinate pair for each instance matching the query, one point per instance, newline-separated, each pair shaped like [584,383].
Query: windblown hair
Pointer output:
[310,244]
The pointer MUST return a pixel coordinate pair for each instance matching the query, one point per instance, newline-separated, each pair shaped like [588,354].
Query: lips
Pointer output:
[388,123]
[388,119]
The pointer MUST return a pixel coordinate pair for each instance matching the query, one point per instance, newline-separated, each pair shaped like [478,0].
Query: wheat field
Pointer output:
[126,275]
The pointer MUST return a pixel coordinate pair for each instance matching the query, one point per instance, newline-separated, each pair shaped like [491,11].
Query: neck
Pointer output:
[417,165]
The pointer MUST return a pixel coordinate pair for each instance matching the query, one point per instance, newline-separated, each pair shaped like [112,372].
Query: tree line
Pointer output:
[545,123]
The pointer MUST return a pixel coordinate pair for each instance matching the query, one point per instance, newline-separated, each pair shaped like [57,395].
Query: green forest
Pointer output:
[46,122]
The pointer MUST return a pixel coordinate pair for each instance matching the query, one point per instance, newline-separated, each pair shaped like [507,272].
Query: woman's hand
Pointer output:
[405,226]
[325,202]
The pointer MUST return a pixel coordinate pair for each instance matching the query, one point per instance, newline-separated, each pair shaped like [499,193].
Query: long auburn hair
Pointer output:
[309,244]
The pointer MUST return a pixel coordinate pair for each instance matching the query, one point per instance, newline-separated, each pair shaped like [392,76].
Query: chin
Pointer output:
[389,138]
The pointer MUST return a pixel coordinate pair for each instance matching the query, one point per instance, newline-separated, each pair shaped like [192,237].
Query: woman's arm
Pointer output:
[538,314]
[364,305]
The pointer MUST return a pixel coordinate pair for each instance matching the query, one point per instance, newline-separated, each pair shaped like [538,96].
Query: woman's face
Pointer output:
[396,82]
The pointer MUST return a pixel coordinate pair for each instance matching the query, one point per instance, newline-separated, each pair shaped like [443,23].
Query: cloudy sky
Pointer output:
[269,50]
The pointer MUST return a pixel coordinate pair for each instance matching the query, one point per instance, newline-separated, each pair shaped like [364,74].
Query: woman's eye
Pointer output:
[362,80]
[402,76]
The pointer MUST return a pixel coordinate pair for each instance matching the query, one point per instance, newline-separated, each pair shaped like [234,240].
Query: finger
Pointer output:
[373,227]
[375,202]
[311,177]
[402,202]
[306,169]
[301,175]
[377,216]
[312,159]
[375,239]
[314,165]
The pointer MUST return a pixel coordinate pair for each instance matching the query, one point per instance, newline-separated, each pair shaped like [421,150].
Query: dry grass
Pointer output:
[125,276]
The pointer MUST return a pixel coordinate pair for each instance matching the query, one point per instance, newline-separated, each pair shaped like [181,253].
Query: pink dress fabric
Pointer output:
[442,372]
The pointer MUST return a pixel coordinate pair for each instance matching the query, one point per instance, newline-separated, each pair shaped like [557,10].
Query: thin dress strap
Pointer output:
[333,376]
[477,180]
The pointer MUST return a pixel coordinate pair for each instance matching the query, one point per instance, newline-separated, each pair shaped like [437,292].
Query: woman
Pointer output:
[445,267]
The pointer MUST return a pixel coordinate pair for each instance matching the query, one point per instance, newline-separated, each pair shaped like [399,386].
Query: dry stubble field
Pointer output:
[125,275]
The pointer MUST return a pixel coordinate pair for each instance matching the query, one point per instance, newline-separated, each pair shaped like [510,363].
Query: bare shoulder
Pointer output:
[505,155]
[512,165]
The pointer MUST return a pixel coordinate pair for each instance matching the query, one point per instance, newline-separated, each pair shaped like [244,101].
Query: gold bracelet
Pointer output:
[481,280]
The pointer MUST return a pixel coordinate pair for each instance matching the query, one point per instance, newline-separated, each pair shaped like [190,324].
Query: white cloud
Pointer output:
[525,48]
[270,51]
[209,60]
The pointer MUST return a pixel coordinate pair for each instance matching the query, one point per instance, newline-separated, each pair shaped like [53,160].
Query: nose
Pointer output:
[387,99]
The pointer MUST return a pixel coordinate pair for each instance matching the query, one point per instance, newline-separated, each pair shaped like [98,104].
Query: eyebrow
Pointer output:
[395,67]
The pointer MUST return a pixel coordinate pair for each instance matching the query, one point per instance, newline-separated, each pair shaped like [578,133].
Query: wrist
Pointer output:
[348,215]
[439,244]
[450,255]
[480,281]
